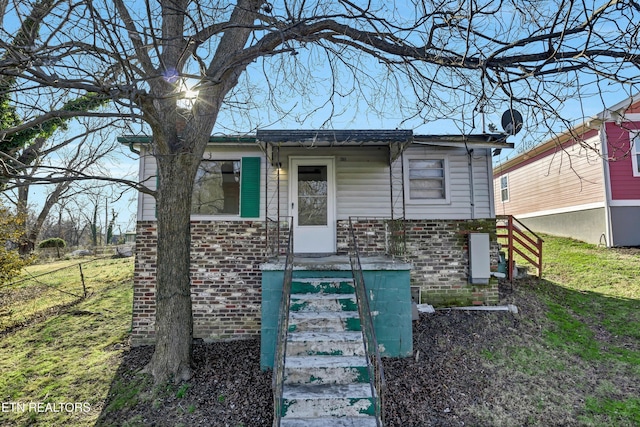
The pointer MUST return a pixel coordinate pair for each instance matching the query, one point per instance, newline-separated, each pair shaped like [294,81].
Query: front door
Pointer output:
[313,204]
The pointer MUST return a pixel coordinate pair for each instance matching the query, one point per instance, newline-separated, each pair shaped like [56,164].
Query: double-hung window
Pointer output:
[427,179]
[635,152]
[504,188]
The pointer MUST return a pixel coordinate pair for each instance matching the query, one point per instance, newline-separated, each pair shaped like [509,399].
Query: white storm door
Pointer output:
[312,204]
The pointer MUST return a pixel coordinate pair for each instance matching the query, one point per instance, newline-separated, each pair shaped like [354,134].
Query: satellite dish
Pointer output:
[511,122]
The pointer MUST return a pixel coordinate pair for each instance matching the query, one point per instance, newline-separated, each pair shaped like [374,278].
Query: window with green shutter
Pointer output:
[227,188]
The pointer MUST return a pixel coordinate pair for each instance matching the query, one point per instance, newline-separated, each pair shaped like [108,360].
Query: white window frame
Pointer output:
[502,199]
[634,139]
[447,178]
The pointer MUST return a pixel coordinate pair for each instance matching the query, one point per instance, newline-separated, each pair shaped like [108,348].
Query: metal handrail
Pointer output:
[374,361]
[283,327]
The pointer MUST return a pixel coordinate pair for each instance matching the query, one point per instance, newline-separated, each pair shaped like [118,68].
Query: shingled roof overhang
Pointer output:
[231,139]
[334,138]
[481,140]
[346,138]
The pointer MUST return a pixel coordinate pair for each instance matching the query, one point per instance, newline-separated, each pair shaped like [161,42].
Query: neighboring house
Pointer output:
[584,184]
[413,196]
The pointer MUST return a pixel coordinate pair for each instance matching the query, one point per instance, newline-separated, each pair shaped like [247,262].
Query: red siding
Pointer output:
[624,186]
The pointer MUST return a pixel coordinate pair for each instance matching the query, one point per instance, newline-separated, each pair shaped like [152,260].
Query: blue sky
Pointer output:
[308,88]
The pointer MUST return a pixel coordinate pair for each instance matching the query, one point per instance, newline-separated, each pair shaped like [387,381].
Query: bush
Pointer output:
[54,242]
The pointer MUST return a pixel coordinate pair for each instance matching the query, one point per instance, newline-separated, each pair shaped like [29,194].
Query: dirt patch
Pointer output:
[468,368]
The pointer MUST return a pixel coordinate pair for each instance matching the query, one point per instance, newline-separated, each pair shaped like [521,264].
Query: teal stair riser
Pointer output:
[358,374]
[299,303]
[338,349]
[336,407]
[325,344]
[328,287]
[328,325]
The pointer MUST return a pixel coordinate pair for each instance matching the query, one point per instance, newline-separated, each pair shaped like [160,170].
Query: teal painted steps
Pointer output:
[333,422]
[326,377]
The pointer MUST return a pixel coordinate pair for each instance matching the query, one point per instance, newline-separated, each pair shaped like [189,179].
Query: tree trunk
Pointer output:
[174,323]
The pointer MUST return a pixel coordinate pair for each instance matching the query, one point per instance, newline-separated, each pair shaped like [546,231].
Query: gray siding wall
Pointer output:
[588,225]
[625,225]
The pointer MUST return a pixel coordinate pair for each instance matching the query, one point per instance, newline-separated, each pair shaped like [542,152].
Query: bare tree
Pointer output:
[65,157]
[424,59]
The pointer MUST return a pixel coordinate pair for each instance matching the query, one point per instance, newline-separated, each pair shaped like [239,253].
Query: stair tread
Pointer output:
[321,296]
[330,336]
[359,421]
[323,314]
[293,362]
[327,391]
[322,279]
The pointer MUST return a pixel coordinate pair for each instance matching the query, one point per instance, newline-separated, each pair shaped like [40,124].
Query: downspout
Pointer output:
[471,183]
[391,181]
[404,205]
[492,195]
[604,143]
[266,197]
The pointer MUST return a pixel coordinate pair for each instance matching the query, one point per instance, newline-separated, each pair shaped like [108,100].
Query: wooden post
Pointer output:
[84,288]
[510,263]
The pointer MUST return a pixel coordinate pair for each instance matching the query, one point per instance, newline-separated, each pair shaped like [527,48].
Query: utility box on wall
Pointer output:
[479,259]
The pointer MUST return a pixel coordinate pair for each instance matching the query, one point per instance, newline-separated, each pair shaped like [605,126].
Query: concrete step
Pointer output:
[322,400]
[322,301]
[325,321]
[326,370]
[363,421]
[322,284]
[345,343]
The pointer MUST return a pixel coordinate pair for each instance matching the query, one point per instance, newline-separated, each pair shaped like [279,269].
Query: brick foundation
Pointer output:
[438,251]
[226,277]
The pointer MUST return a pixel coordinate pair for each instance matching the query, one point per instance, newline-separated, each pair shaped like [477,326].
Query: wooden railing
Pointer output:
[517,238]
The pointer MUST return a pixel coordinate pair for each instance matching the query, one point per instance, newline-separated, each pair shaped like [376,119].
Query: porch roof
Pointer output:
[480,140]
[342,137]
[332,138]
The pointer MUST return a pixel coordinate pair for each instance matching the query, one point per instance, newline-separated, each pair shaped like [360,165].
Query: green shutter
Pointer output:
[250,187]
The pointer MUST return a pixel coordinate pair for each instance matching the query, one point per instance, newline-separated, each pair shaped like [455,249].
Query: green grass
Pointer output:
[579,359]
[43,290]
[624,412]
[593,299]
[69,357]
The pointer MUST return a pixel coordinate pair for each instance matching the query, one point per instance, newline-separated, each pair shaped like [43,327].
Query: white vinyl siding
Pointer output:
[362,180]
[146,203]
